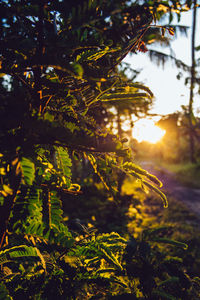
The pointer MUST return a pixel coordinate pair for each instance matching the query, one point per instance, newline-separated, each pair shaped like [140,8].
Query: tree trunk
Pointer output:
[121,176]
[191,129]
[119,128]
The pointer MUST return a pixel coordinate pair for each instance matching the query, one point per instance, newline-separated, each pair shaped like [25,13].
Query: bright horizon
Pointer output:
[145,130]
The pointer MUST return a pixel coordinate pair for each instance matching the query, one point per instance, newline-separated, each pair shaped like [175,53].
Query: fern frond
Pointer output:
[123,96]
[161,59]
[22,251]
[170,242]
[94,55]
[169,281]
[129,166]
[28,170]
[54,230]
[55,206]
[163,295]
[111,238]
[118,281]
[4,293]
[64,164]
[140,86]
[134,170]
[28,203]
[106,246]
[155,189]
[44,220]
[152,232]
[109,256]
[93,162]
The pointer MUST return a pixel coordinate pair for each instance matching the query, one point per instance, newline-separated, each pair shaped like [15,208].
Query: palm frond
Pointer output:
[161,59]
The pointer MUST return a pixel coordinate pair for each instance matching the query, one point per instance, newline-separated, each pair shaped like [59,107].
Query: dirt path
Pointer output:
[189,196]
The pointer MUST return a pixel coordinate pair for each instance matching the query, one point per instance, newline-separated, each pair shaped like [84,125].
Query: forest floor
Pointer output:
[173,188]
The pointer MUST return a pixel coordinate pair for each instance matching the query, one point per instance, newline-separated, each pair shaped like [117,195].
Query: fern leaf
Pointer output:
[93,162]
[92,260]
[28,170]
[134,170]
[52,212]
[94,55]
[64,164]
[153,232]
[22,251]
[129,166]
[118,281]
[109,256]
[170,242]
[142,87]
[29,204]
[55,231]
[111,238]
[123,96]
[4,293]
[107,270]
[169,281]
[163,295]
[155,189]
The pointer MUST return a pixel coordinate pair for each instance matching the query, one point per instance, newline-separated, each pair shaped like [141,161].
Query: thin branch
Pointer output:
[22,81]
[65,191]
[47,102]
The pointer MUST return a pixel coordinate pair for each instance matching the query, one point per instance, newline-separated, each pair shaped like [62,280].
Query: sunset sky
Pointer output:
[170,93]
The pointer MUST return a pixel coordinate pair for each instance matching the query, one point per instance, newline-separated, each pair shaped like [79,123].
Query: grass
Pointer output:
[184,228]
[147,211]
[186,173]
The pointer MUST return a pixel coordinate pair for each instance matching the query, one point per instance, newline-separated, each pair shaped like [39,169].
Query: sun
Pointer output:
[146,130]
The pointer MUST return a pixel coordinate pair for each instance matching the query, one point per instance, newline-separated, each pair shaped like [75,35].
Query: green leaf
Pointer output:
[169,281]
[130,166]
[4,293]
[163,295]
[22,251]
[155,189]
[78,69]
[64,164]
[170,242]
[109,256]
[28,170]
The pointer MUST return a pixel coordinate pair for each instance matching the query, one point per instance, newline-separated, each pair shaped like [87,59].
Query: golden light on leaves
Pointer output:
[146,130]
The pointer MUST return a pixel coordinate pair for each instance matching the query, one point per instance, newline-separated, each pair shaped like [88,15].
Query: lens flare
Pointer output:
[146,130]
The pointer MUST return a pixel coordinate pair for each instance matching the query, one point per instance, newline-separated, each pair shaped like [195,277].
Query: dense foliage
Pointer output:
[59,78]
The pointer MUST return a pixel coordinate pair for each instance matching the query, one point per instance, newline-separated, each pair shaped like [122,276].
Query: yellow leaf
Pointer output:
[50,166]
[64,179]
[171,31]
[4,194]
[127,88]
[7,189]
[75,186]
[2,171]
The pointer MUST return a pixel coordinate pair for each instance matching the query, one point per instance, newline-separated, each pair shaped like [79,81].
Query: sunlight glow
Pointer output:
[146,130]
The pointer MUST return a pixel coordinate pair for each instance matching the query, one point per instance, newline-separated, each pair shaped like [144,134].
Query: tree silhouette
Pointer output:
[192,83]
